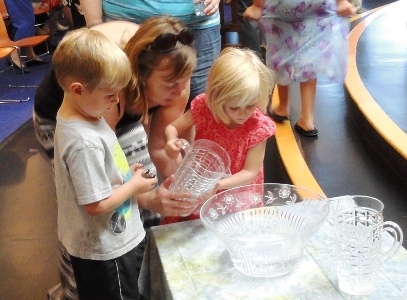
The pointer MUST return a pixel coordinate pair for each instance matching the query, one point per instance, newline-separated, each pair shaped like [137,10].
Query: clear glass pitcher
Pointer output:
[203,165]
[359,227]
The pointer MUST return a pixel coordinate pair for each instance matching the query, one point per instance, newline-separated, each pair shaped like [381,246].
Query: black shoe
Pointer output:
[279,119]
[21,70]
[306,133]
[34,62]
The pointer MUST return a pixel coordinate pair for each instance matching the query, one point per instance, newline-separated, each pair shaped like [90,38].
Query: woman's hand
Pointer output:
[212,6]
[166,203]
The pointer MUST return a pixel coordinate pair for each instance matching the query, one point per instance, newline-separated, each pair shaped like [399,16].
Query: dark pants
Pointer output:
[77,16]
[111,279]
[249,33]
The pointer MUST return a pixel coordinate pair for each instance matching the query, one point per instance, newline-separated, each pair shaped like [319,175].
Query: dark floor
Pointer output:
[342,159]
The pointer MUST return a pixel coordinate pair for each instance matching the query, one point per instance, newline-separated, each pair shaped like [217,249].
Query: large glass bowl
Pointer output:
[265,227]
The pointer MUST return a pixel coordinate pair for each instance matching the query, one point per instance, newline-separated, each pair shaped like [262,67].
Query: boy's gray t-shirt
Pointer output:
[89,163]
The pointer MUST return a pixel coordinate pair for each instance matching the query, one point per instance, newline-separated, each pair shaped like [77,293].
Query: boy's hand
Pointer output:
[134,167]
[143,183]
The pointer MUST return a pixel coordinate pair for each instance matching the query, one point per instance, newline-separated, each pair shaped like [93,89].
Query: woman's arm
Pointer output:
[252,166]
[93,11]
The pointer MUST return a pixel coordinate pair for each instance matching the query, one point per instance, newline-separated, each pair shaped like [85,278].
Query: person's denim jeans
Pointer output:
[208,46]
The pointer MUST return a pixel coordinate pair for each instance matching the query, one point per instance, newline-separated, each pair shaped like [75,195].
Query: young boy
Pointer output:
[98,218]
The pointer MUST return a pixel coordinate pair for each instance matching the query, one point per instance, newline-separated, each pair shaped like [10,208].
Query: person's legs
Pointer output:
[77,16]
[66,275]
[66,12]
[283,107]
[22,17]
[44,132]
[308,92]
[249,32]
[111,279]
[208,46]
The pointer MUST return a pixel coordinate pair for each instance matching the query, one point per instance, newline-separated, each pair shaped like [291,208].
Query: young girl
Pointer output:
[304,40]
[230,114]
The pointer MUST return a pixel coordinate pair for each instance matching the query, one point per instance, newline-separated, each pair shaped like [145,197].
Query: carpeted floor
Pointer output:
[13,115]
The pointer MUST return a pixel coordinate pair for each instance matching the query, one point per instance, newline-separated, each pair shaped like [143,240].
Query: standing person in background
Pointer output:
[249,33]
[304,40]
[78,19]
[231,115]
[206,29]
[22,18]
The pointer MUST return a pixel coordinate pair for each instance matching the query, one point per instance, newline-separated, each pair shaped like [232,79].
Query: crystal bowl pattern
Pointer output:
[265,227]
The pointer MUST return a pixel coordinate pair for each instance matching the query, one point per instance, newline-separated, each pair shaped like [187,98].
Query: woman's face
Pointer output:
[160,91]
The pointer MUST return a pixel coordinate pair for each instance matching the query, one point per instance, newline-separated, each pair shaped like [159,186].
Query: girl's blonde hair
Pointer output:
[181,60]
[89,57]
[238,77]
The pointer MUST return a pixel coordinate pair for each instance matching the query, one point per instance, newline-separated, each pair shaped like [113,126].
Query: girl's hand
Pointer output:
[345,8]
[171,149]
[174,147]
[202,199]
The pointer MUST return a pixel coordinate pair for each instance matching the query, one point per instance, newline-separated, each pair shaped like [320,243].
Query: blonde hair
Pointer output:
[181,60]
[237,77]
[89,57]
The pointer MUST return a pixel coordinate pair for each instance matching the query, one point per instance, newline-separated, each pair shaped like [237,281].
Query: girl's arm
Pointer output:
[156,136]
[136,185]
[345,8]
[93,11]
[177,128]
[252,166]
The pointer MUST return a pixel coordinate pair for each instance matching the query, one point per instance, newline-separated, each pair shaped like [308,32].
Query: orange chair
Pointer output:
[26,42]
[3,10]
[7,46]
[43,7]
[4,53]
